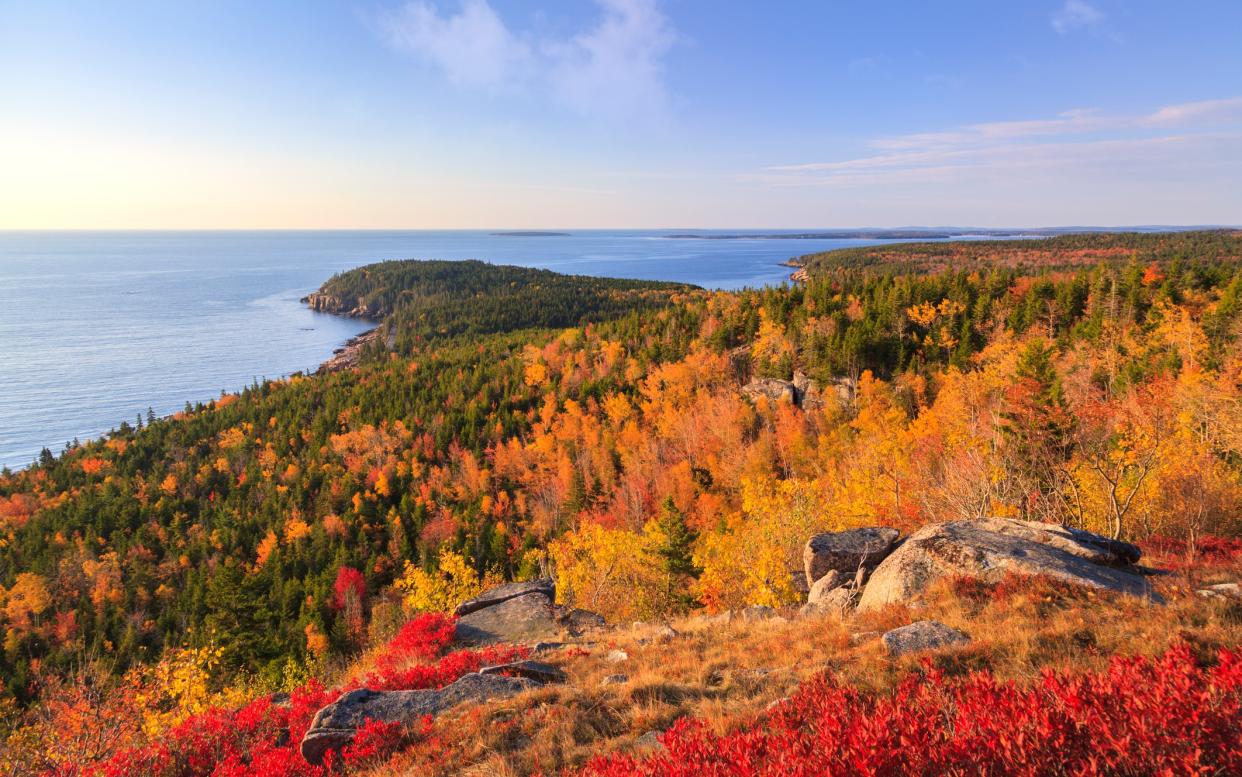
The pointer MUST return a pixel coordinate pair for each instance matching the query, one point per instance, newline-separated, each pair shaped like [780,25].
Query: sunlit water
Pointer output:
[97,327]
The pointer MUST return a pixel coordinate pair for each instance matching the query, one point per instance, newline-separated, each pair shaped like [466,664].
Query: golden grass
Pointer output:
[727,673]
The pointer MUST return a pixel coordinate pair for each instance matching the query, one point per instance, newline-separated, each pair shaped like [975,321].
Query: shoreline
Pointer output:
[349,355]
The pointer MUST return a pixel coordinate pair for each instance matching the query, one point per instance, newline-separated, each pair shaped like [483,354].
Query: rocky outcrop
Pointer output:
[921,636]
[772,389]
[993,547]
[521,613]
[494,596]
[523,619]
[335,725]
[846,552]
[327,303]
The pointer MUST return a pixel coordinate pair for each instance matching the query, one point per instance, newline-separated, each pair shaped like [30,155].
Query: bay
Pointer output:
[98,327]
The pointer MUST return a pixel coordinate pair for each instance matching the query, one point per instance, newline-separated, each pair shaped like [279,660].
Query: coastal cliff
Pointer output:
[324,302]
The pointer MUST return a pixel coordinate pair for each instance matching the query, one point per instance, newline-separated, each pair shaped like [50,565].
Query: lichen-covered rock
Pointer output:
[846,551]
[335,725]
[993,547]
[494,596]
[921,636]
[524,619]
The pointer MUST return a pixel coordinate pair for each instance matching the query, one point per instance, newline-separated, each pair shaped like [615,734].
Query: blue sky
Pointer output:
[619,113]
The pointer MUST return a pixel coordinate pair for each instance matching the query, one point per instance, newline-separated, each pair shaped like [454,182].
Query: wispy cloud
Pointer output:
[613,68]
[1076,15]
[472,47]
[1078,137]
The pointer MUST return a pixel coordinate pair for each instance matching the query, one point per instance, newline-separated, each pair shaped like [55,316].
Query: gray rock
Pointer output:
[846,551]
[758,612]
[808,393]
[659,634]
[335,725]
[579,621]
[838,601]
[775,390]
[524,619]
[616,656]
[990,548]
[494,596]
[830,581]
[649,742]
[1221,591]
[921,636]
[615,679]
[532,670]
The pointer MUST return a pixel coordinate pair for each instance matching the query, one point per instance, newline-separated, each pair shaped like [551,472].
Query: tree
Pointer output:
[1036,441]
[675,547]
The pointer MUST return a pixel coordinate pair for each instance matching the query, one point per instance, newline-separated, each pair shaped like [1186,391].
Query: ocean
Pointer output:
[97,328]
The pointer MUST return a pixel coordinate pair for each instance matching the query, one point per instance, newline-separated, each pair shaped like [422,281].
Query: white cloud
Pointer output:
[1076,15]
[1080,138]
[1226,110]
[472,48]
[614,68]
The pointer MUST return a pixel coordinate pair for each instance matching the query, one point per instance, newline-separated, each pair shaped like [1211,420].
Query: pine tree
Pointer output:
[676,552]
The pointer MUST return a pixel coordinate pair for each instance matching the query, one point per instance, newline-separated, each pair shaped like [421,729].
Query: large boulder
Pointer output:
[992,547]
[920,636]
[846,552]
[335,725]
[494,596]
[523,619]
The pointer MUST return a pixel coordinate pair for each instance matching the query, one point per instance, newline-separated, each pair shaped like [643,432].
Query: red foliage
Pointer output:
[349,585]
[1141,716]
[1207,551]
[262,739]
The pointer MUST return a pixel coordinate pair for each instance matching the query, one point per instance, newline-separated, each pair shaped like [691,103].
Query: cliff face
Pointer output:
[328,303]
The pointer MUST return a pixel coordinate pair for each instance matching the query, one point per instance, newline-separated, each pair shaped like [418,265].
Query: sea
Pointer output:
[97,328]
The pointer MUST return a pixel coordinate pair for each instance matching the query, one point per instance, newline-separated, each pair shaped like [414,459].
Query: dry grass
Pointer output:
[727,672]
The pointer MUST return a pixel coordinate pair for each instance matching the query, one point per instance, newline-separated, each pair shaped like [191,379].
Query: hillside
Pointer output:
[1058,252]
[663,453]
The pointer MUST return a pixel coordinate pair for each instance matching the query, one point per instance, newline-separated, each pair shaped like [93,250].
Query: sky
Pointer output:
[619,113]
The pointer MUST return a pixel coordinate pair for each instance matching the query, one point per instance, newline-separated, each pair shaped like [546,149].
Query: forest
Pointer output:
[519,422]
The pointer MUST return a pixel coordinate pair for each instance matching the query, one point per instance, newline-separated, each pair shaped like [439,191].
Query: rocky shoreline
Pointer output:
[349,355]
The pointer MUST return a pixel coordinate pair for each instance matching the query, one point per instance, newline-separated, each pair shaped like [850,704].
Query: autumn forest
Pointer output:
[618,436]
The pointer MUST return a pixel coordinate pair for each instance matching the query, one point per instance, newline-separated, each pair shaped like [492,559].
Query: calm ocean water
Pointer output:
[97,327]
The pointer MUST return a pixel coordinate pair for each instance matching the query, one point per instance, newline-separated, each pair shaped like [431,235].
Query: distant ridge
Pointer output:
[931,233]
[530,233]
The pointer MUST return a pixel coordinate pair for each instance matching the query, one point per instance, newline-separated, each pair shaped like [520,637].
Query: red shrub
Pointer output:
[1139,717]
[1207,552]
[262,739]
